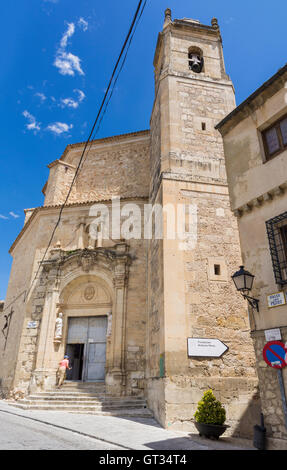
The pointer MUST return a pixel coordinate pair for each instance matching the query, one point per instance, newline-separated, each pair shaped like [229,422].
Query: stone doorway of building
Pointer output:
[76,360]
[86,347]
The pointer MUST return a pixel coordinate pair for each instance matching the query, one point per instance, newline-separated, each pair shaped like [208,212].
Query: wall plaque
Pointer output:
[275,300]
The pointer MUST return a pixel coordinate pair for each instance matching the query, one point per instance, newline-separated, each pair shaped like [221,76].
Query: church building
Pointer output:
[126,308]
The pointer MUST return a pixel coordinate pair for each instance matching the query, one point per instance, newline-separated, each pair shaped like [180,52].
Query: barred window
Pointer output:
[275,138]
[277,236]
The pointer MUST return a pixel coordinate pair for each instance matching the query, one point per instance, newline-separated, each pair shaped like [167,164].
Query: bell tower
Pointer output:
[192,93]
[190,292]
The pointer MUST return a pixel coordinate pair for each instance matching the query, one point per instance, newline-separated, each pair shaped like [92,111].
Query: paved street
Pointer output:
[33,430]
[18,433]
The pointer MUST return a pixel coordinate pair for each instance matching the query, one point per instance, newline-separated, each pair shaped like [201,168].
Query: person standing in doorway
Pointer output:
[61,373]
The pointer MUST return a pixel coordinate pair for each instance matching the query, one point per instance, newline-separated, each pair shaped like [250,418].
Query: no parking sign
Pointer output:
[274,354]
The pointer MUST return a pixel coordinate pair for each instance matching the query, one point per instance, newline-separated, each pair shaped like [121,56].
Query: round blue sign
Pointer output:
[274,354]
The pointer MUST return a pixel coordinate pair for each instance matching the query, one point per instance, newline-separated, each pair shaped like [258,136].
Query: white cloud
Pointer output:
[73,103]
[16,216]
[3,217]
[83,24]
[59,128]
[69,102]
[66,62]
[82,95]
[68,34]
[41,96]
[32,124]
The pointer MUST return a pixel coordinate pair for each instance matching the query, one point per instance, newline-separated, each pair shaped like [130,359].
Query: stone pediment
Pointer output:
[89,293]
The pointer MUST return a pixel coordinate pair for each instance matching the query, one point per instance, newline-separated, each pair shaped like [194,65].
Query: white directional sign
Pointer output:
[204,347]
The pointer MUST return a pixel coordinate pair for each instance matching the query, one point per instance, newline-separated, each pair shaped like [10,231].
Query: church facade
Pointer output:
[119,297]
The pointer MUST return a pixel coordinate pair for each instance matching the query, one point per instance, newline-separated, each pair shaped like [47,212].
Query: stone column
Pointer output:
[81,236]
[116,376]
[44,375]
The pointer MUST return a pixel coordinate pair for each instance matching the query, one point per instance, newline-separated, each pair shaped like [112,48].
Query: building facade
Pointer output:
[255,143]
[124,306]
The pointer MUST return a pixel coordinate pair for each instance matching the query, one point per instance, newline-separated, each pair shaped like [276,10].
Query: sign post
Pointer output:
[274,354]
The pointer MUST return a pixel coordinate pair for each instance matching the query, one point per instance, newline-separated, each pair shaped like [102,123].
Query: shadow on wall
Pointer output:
[249,418]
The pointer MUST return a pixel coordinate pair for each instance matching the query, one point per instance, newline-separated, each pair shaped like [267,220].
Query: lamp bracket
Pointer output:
[253,302]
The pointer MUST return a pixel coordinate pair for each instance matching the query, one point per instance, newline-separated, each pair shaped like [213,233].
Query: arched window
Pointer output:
[195,59]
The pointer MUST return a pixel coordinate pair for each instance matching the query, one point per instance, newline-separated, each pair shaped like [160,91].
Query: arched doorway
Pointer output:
[86,304]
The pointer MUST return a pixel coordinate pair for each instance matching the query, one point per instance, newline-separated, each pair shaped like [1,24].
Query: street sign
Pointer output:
[274,354]
[204,347]
[273,335]
[275,300]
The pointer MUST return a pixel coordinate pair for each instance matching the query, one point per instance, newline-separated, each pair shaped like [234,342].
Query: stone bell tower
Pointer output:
[190,290]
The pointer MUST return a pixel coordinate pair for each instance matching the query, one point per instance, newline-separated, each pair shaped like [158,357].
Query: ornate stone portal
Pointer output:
[82,283]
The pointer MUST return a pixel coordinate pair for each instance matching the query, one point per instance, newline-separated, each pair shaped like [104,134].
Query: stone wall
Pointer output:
[202,304]
[27,349]
[197,302]
[24,263]
[257,191]
[270,393]
[116,166]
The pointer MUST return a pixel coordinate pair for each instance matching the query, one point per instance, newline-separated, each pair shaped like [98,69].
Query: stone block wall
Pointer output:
[274,419]
[116,166]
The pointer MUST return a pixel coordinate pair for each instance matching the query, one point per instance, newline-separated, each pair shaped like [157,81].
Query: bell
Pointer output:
[195,63]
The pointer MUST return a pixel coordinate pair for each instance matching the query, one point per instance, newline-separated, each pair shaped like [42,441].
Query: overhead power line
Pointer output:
[105,102]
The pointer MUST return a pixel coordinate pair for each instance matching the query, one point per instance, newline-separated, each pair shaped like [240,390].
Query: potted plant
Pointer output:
[210,416]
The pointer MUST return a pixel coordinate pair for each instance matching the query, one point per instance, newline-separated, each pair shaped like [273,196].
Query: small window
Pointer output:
[217,269]
[203,126]
[275,138]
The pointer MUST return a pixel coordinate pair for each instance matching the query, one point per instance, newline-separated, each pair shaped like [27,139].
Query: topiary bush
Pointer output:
[210,410]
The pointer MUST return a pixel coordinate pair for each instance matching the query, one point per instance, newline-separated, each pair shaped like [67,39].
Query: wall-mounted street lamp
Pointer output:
[243,281]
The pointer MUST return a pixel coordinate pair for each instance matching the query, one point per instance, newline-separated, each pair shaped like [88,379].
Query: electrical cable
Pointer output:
[127,41]
[114,84]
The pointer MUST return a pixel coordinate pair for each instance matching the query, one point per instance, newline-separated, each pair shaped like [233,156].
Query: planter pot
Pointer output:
[211,431]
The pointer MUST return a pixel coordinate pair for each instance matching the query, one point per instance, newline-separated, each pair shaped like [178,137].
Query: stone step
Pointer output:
[75,395]
[97,405]
[125,411]
[104,399]
[78,390]
[82,385]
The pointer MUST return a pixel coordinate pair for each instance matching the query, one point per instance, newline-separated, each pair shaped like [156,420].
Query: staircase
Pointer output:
[85,398]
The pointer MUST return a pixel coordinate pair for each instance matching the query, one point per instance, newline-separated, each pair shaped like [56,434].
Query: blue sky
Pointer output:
[56,59]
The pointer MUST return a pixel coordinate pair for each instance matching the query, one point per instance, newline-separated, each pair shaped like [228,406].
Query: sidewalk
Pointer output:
[131,434]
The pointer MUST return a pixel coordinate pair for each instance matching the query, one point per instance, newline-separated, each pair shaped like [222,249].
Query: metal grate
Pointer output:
[277,236]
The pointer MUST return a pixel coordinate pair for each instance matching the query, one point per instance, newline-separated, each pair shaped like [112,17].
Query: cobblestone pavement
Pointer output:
[21,429]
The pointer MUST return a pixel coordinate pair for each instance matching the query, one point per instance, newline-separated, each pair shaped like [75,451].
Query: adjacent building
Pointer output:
[123,307]
[255,144]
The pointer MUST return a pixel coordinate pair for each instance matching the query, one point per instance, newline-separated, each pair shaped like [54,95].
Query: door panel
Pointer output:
[78,330]
[97,348]
[96,361]
[97,329]
[90,331]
